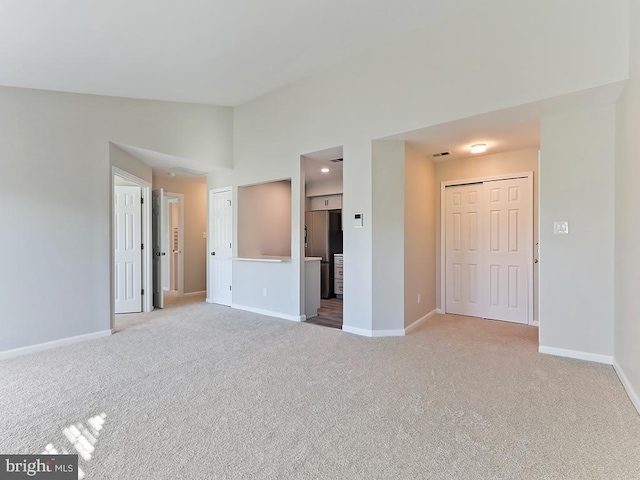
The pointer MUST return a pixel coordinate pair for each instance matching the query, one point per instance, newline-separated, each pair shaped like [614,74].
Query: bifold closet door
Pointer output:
[508,239]
[488,241]
[464,250]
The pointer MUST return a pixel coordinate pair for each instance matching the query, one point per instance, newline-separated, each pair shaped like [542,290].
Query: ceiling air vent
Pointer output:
[188,171]
[337,160]
[441,154]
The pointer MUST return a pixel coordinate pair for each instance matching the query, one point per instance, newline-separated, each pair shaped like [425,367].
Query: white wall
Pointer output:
[627,238]
[194,254]
[388,234]
[404,230]
[328,187]
[627,233]
[419,235]
[487,166]
[634,39]
[55,196]
[576,270]
[396,88]
[127,162]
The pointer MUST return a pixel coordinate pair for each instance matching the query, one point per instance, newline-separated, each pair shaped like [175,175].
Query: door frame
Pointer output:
[212,192]
[443,246]
[180,200]
[145,191]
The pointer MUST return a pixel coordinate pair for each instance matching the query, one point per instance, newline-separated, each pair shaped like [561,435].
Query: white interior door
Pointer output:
[166,245]
[464,250]
[128,249]
[220,240]
[489,250]
[509,240]
[158,217]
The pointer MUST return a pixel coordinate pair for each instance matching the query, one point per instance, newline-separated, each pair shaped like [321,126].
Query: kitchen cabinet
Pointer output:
[337,274]
[326,202]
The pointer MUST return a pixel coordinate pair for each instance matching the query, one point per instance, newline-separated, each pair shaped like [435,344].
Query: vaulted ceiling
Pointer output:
[222,52]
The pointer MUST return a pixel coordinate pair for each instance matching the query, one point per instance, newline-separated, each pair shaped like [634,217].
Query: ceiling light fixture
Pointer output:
[479,148]
[324,170]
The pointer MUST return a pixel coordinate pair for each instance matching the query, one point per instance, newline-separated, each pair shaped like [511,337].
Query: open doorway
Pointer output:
[180,238]
[478,235]
[173,244]
[323,237]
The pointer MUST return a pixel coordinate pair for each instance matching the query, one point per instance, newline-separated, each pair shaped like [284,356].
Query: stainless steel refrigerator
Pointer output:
[323,238]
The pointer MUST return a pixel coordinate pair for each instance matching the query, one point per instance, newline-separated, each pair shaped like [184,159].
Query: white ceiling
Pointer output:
[505,130]
[457,137]
[203,51]
[163,164]
[314,174]
[316,161]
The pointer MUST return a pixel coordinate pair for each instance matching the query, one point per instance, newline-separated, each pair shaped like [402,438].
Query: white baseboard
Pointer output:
[388,333]
[590,357]
[535,323]
[208,300]
[419,322]
[440,311]
[269,313]
[633,395]
[363,332]
[193,294]
[55,344]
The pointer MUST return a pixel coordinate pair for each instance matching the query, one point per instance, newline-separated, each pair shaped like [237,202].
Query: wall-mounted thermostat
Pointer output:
[357,220]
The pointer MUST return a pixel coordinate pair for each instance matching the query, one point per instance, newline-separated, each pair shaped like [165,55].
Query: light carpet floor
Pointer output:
[200,391]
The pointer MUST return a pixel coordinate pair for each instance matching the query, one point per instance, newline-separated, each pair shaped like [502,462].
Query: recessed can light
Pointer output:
[324,170]
[479,148]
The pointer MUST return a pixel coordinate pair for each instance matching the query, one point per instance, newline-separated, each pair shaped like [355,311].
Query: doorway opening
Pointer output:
[130,261]
[173,245]
[323,237]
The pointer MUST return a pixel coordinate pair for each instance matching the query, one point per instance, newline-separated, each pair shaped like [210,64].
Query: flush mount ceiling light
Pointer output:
[324,170]
[479,148]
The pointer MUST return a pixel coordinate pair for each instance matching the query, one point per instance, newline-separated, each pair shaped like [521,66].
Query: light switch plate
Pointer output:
[561,228]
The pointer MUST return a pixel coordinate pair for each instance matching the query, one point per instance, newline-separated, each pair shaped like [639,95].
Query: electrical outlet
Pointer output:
[419,298]
[561,228]
[264,292]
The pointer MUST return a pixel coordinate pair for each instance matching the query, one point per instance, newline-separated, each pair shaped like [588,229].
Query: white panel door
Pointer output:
[464,247]
[220,240]
[489,250]
[128,249]
[157,224]
[508,237]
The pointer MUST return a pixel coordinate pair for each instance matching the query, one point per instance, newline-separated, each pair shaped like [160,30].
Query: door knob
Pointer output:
[213,253]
